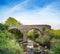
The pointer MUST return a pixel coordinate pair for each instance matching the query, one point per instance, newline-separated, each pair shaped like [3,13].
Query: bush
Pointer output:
[7,45]
[55,46]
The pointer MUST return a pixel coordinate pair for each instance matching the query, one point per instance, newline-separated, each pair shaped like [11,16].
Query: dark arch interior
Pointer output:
[18,34]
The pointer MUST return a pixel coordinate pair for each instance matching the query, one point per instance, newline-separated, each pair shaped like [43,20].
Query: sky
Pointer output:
[31,12]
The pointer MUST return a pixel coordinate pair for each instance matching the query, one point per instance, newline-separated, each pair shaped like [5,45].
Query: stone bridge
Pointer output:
[25,28]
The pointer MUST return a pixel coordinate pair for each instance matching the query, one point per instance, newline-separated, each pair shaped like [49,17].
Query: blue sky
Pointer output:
[31,11]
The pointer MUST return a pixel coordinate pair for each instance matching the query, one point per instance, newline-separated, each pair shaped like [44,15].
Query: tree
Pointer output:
[3,26]
[44,39]
[55,41]
[7,45]
[12,21]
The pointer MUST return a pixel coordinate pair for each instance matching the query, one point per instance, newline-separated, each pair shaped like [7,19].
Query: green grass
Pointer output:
[57,32]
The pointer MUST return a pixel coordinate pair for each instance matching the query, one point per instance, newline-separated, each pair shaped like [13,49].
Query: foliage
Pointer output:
[55,46]
[55,42]
[11,21]
[16,33]
[11,48]
[44,40]
[3,27]
[3,38]
[7,45]
[43,31]
[34,33]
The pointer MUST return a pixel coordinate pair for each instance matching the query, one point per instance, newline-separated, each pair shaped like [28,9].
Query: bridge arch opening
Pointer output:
[33,33]
[16,33]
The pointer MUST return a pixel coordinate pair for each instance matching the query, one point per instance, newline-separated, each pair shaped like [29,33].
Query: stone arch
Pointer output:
[25,28]
[37,29]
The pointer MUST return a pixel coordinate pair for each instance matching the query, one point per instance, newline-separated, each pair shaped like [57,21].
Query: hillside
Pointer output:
[57,32]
